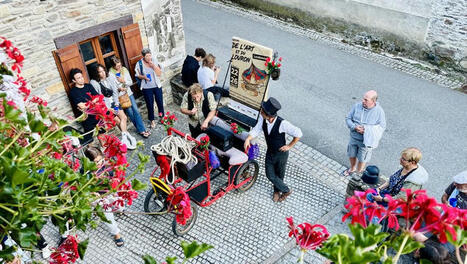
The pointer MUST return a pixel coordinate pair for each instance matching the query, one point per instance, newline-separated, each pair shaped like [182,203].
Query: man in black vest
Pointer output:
[200,107]
[275,130]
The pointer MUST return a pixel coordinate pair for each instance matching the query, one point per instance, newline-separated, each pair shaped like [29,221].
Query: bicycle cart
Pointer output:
[196,180]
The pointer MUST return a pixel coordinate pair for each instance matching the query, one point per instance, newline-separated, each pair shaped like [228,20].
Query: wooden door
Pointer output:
[133,46]
[67,59]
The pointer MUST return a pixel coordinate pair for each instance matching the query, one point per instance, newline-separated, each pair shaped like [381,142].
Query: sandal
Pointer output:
[347,172]
[153,124]
[145,134]
[119,242]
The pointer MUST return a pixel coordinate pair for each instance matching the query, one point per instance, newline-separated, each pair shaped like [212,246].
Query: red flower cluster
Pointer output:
[180,201]
[168,120]
[308,236]
[96,106]
[421,213]
[13,53]
[236,129]
[272,64]
[66,253]
[115,154]
[127,193]
[38,100]
[204,142]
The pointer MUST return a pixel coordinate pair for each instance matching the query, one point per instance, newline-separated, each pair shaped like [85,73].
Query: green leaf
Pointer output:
[7,253]
[12,114]
[410,245]
[170,260]
[461,237]
[27,237]
[194,249]
[149,260]
[100,213]
[37,126]
[88,165]
[20,176]
[143,158]
[137,185]
[82,246]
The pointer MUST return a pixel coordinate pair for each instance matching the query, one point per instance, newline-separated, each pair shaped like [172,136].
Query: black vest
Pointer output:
[274,140]
[204,107]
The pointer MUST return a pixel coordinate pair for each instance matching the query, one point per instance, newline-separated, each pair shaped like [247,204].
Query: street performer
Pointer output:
[200,107]
[275,129]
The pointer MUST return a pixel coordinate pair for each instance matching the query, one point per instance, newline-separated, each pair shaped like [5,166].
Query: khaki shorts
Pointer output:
[357,149]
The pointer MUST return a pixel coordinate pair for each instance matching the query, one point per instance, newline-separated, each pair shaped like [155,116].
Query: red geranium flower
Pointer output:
[308,236]
[180,201]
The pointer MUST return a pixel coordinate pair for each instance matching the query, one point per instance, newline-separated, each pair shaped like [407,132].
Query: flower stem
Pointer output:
[11,143]
[458,255]
[399,252]
[8,209]
[302,256]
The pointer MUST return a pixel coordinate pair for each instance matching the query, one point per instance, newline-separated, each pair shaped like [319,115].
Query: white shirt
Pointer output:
[285,127]
[205,77]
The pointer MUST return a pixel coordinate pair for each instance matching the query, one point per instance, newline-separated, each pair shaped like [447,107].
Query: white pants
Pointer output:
[112,226]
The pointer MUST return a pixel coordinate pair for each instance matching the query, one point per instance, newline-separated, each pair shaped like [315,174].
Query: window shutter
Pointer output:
[67,59]
[133,45]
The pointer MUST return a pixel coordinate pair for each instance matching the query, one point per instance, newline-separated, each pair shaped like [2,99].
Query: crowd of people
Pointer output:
[366,122]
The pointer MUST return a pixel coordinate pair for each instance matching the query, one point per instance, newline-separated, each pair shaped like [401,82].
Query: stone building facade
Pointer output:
[41,28]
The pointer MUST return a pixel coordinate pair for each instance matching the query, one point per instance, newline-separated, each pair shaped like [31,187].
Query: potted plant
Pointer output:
[273,67]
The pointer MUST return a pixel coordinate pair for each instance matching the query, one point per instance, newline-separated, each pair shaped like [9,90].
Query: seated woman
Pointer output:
[122,75]
[102,82]
[411,176]
[95,155]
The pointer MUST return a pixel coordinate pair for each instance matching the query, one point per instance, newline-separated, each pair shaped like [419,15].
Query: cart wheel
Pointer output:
[155,202]
[180,230]
[250,170]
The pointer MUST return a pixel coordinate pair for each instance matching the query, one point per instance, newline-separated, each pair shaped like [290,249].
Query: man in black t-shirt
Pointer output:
[456,194]
[78,98]
[191,66]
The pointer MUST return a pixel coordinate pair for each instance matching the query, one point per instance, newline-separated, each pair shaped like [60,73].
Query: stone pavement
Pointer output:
[243,227]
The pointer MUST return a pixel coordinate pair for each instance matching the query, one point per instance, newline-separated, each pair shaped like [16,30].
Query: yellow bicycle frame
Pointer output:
[158,184]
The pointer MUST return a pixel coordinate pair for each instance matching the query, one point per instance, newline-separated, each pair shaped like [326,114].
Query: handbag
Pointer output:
[124,101]
[107,92]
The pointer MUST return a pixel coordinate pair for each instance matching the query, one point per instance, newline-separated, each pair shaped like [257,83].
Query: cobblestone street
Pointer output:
[243,227]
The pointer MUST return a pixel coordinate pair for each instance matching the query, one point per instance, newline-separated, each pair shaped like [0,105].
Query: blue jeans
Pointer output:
[149,95]
[133,113]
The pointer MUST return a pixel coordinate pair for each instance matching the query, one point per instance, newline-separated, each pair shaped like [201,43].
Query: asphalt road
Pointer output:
[319,84]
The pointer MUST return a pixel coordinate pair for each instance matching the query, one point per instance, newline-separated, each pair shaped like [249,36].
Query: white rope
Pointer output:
[178,149]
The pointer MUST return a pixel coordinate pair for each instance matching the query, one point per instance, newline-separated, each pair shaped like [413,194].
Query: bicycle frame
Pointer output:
[158,183]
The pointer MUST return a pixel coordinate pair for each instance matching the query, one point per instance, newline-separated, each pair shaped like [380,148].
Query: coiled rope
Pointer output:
[179,149]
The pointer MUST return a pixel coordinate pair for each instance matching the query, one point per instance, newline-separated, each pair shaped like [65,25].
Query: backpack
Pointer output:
[138,80]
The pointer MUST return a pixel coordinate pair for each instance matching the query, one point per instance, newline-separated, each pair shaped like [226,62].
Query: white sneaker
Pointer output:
[46,252]
[132,140]
[126,141]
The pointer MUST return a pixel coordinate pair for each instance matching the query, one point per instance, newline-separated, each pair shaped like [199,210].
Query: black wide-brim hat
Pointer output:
[271,106]
[371,175]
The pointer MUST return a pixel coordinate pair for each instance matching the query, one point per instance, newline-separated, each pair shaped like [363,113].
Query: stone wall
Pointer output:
[447,33]
[166,39]
[32,25]
[438,26]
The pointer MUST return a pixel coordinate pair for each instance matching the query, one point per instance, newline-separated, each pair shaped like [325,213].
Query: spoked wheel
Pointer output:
[249,170]
[180,230]
[155,201]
